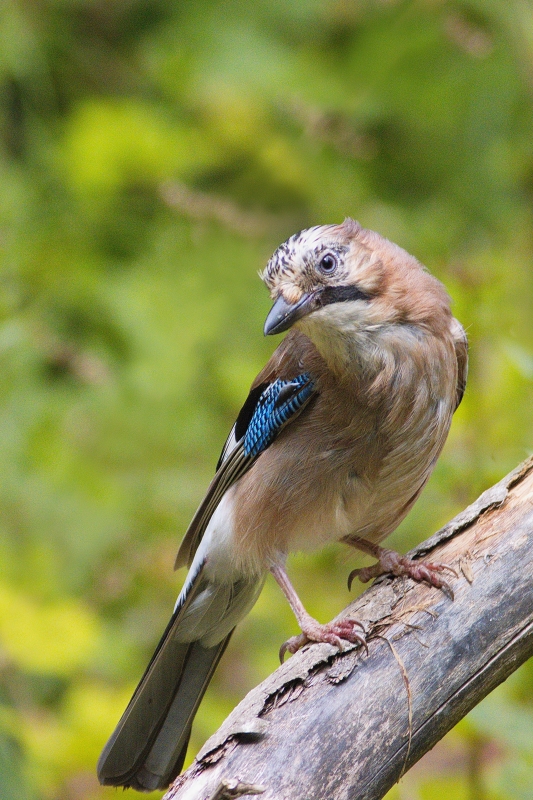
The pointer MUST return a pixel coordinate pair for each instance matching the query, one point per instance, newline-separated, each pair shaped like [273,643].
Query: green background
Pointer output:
[153,153]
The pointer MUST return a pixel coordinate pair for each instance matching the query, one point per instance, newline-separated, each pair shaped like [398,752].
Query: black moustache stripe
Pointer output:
[340,294]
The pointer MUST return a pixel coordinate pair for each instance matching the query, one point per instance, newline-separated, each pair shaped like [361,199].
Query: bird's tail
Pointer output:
[147,748]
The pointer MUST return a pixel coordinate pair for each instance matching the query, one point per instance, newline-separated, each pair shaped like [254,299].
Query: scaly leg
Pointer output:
[312,631]
[391,562]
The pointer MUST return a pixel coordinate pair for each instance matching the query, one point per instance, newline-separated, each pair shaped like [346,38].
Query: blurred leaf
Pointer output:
[152,155]
[56,638]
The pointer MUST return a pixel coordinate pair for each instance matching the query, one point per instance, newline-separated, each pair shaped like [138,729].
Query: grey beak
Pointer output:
[283,315]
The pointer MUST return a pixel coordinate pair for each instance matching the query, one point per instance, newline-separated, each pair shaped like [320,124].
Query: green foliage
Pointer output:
[152,155]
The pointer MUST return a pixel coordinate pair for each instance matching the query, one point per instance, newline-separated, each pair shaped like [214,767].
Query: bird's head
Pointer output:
[339,281]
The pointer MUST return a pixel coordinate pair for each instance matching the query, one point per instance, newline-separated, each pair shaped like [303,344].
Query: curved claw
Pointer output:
[345,629]
[353,574]
[292,646]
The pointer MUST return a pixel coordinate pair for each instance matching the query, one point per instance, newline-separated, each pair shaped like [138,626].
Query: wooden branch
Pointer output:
[329,725]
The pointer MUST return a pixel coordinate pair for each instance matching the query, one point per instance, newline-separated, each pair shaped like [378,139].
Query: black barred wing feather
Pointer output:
[267,410]
[277,405]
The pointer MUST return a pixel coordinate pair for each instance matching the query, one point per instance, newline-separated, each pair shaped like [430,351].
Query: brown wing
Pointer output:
[461,352]
[234,462]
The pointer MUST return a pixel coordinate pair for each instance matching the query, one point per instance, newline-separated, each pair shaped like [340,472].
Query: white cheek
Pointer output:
[346,318]
[337,330]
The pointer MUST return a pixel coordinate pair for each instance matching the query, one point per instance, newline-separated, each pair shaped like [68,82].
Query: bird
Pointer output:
[335,441]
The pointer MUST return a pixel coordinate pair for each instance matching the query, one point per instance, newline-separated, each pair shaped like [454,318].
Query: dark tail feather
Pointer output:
[167,755]
[147,749]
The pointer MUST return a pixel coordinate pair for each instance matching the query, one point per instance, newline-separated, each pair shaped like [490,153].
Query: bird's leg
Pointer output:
[312,631]
[391,562]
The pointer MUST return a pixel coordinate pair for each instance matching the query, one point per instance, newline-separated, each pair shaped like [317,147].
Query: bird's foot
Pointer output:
[336,633]
[421,571]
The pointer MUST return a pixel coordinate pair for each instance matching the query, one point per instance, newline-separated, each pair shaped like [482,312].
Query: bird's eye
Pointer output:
[327,264]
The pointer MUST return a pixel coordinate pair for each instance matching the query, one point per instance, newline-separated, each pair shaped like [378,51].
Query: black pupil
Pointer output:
[328,263]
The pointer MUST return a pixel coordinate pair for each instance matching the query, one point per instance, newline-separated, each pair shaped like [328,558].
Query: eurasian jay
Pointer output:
[338,436]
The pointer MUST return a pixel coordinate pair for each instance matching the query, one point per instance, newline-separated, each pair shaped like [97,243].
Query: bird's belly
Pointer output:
[339,510]
[291,501]
[347,503]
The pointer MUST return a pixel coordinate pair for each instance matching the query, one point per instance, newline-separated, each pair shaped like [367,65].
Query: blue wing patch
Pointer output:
[275,407]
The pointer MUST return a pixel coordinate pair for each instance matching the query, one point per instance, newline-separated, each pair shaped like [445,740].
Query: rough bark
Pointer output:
[330,726]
